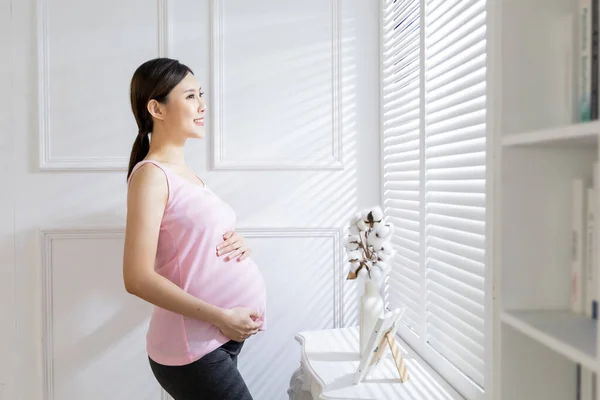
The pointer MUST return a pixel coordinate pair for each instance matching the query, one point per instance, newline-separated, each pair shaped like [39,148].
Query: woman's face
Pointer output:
[185,109]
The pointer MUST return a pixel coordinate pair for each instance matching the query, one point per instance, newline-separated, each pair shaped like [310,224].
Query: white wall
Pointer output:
[291,164]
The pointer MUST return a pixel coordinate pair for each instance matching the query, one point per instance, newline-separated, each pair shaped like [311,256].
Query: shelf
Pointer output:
[576,135]
[567,333]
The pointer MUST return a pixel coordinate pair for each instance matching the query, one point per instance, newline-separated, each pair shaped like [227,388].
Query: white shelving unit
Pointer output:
[541,339]
[569,334]
[540,150]
[583,135]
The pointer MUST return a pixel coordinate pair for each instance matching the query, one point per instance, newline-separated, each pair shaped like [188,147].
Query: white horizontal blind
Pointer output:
[455,137]
[401,77]
[434,179]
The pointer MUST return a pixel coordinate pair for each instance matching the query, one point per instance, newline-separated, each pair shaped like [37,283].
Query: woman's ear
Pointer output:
[156,109]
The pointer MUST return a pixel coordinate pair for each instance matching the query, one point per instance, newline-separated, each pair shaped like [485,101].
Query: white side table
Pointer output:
[329,359]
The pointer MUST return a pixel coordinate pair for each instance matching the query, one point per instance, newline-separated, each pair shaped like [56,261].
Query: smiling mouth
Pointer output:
[199,121]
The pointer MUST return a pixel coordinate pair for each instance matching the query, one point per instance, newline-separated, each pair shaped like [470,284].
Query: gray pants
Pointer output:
[213,377]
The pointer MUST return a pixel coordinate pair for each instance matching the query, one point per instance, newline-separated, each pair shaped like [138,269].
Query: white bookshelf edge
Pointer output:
[570,334]
[579,134]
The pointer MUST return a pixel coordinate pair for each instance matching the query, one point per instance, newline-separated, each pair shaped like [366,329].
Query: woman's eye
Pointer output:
[191,96]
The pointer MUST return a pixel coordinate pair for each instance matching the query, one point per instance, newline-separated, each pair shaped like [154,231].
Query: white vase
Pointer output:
[371,308]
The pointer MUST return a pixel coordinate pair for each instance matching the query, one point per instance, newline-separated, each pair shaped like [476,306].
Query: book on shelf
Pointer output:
[587,60]
[578,222]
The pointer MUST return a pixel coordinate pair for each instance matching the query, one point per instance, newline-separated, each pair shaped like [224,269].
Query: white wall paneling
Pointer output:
[303,272]
[93,330]
[276,85]
[84,117]
[163,28]
[332,235]
[64,165]
[85,307]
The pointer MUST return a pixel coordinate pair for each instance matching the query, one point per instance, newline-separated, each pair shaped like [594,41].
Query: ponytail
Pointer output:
[139,150]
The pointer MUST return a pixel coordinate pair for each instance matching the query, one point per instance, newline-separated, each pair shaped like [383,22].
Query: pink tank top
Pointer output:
[193,224]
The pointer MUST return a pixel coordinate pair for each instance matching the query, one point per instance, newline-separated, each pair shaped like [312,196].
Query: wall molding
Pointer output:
[48,162]
[219,159]
[164,27]
[335,235]
[48,236]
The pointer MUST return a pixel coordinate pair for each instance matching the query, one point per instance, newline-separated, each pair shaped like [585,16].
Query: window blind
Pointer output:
[401,76]
[434,151]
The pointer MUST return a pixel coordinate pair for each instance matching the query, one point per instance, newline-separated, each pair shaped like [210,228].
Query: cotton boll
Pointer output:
[375,242]
[386,254]
[382,231]
[362,225]
[353,230]
[354,238]
[353,221]
[354,266]
[351,246]
[377,228]
[377,214]
[355,255]
[351,242]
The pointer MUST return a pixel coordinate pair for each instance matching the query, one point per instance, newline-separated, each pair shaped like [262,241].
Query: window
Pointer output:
[433,116]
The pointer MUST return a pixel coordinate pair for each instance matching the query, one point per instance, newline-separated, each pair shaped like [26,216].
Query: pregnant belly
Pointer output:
[231,284]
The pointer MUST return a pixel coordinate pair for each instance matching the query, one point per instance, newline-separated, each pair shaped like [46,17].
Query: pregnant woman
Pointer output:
[182,253]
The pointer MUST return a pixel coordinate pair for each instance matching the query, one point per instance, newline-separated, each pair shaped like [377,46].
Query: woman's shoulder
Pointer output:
[148,177]
[147,171]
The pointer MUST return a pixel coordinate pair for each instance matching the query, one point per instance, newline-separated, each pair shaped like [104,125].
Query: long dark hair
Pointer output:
[154,79]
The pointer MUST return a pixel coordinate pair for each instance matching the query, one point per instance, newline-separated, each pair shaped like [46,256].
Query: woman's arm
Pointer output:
[146,200]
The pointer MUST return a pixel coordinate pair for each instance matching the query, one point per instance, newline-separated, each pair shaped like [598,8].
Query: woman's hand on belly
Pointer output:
[233,245]
[239,323]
